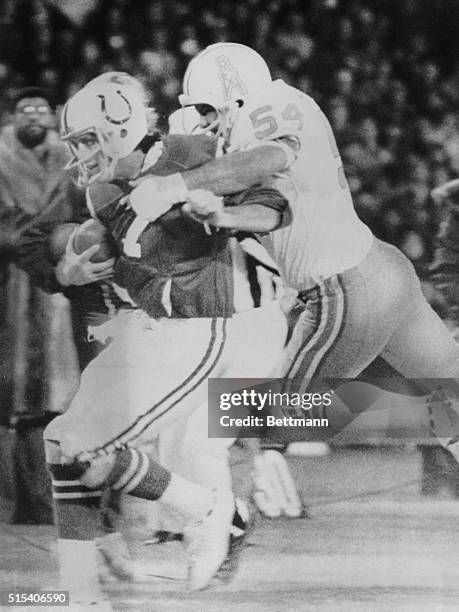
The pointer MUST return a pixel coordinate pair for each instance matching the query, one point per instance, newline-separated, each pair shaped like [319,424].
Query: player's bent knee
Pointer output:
[92,474]
[98,472]
[53,452]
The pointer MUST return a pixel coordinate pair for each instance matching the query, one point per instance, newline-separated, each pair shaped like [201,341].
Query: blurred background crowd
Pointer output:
[386,73]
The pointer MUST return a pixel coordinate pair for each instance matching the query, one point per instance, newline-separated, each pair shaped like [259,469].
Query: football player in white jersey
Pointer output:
[186,120]
[361,297]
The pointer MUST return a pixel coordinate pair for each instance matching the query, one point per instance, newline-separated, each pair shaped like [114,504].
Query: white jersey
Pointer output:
[325,236]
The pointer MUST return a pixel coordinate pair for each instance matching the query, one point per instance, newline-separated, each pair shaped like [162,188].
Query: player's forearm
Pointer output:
[237,171]
[247,218]
[152,196]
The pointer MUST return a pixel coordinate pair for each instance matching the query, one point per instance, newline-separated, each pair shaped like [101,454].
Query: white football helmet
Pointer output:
[125,79]
[115,115]
[222,76]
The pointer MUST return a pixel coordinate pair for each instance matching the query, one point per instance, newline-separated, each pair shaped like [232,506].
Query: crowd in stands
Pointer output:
[386,73]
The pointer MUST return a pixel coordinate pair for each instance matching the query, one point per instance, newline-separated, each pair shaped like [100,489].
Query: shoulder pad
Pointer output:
[279,111]
[101,195]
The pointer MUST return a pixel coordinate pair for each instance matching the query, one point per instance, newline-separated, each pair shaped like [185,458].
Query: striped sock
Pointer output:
[76,508]
[135,473]
[139,475]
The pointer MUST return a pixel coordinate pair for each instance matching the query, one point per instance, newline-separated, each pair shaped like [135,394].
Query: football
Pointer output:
[84,236]
[93,232]
[59,238]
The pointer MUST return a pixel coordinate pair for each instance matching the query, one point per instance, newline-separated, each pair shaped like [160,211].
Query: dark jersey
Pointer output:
[178,269]
[182,271]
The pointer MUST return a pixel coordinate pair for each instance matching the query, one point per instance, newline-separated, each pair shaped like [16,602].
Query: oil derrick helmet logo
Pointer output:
[230,78]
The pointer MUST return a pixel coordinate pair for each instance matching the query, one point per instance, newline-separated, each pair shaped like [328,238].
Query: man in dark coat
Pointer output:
[38,370]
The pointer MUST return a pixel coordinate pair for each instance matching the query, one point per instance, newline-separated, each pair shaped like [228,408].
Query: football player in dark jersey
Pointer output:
[182,329]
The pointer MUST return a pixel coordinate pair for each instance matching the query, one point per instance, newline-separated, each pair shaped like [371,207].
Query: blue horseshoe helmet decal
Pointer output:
[103,108]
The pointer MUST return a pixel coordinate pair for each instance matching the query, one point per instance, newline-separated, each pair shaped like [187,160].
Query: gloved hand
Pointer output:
[152,196]
[203,206]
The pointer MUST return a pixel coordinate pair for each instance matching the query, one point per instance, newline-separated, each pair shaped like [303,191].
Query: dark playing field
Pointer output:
[371,544]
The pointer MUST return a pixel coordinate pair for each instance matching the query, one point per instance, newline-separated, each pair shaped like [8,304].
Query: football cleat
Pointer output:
[115,561]
[244,519]
[275,490]
[209,540]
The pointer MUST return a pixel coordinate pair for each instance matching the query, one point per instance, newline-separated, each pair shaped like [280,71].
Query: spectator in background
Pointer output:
[445,265]
[440,470]
[36,359]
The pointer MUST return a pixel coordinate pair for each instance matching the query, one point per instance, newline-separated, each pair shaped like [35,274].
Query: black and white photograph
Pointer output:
[229,305]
